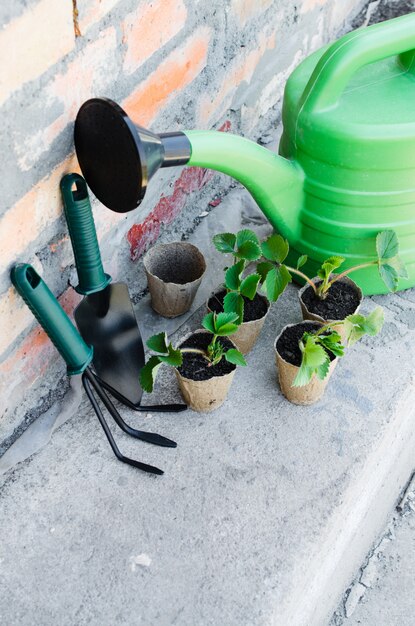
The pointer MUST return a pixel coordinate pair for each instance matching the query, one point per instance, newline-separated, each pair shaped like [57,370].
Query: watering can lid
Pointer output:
[361,87]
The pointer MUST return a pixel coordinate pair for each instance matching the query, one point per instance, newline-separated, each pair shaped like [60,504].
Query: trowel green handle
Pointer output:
[353,51]
[78,213]
[52,318]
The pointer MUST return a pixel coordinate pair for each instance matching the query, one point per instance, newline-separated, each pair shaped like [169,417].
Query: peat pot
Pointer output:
[204,388]
[248,332]
[174,272]
[344,298]
[288,359]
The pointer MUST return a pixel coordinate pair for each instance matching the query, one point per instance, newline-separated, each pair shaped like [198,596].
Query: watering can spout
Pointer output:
[119,157]
[275,183]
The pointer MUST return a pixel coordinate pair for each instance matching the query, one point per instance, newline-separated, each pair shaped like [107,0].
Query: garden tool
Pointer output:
[346,168]
[105,317]
[78,356]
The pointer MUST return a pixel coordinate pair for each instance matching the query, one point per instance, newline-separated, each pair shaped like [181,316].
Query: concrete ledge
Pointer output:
[264,514]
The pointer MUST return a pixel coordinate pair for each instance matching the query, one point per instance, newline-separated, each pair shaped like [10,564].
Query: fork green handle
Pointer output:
[78,213]
[52,318]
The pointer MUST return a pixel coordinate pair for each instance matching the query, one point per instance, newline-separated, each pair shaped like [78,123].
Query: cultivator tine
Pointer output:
[89,384]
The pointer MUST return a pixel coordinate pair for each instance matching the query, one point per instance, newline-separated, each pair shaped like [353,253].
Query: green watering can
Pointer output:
[347,164]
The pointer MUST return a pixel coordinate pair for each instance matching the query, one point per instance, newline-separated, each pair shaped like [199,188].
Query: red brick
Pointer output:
[149,28]
[25,221]
[33,355]
[179,69]
[90,12]
[91,70]
[33,42]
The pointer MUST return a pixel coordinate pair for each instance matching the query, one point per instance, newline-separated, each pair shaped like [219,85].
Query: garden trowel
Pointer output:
[105,317]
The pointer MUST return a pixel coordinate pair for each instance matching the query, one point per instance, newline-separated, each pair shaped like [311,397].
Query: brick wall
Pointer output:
[172,64]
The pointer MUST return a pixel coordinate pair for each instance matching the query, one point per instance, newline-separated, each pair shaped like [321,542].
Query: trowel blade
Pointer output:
[107,322]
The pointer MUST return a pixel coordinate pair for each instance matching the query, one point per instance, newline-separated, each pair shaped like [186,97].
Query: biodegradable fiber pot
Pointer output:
[248,332]
[322,310]
[210,391]
[314,390]
[174,273]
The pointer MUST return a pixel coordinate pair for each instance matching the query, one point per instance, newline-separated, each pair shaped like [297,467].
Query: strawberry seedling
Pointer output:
[219,325]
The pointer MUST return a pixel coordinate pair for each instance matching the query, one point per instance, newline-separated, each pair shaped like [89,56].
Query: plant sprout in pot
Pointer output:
[331,297]
[328,297]
[204,362]
[307,353]
[239,293]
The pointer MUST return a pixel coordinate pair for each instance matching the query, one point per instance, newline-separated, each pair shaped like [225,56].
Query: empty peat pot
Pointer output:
[255,312]
[204,387]
[174,273]
[344,298]
[288,360]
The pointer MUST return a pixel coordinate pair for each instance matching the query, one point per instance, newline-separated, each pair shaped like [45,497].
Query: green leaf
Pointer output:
[397,263]
[223,318]
[276,281]
[246,235]
[391,267]
[235,357]
[233,302]
[247,245]
[149,372]
[249,251]
[233,276]
[389,275]
[328,267]
[323,369]
[302,261]
[249,286]
[387,245]
[225,242]
[332,342]
[158,343]
[215,352]
[174,357]
[227,329]
[304,376]
[263,269]
[314,360]
[356,326]
[208,322]
[314,354]
[224,324]
[275,248]
[375,321]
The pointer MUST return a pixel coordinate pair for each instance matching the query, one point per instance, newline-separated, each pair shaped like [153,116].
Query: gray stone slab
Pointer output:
[383,592]
[264,513]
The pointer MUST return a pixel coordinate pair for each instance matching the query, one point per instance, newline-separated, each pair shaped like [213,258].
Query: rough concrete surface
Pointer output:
[383,592]
[264,513]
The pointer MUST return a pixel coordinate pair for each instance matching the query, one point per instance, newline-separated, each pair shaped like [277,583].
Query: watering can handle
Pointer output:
[353,51]
[52,318]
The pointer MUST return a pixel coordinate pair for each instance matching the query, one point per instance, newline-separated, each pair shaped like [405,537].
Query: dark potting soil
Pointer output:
[287,345]
[341,300]
[179,275]
[253,309]
[195,366]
